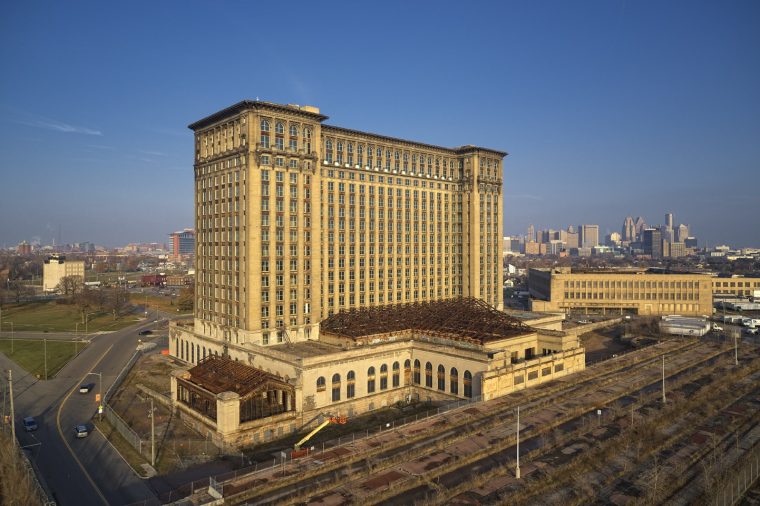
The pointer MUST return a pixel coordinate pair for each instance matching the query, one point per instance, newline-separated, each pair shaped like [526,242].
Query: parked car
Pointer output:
[717,328]
[145,332]
[81,431]
[752,330]
[85,388]
[30,424]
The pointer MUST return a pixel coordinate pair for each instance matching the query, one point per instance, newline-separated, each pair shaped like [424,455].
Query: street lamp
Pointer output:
[100,392]
[11,323]
[86,321]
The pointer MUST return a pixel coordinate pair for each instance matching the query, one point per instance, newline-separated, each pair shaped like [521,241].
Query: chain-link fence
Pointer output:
[740,480]
[12,453]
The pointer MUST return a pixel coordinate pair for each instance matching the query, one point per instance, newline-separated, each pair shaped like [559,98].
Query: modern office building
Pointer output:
[56,267]
[588,236]
[299,223]
[620,291]
[652,239]
[183,243]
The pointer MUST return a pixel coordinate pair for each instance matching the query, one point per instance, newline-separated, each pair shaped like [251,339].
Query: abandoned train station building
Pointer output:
[340,271]
[366,359]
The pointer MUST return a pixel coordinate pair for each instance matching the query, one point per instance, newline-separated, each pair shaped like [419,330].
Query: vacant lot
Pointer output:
[53,317]
[176,444]
[30,354]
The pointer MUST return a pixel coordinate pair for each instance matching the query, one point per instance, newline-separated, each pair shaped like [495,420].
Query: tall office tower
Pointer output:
[531,233]
[571,238]
[297,220]
[629,230]
[669,221]
[682,232]
[639,225]
[183,243]
[588,236]
[652,239]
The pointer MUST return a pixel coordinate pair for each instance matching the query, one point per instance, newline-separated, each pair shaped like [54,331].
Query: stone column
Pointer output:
[227,413]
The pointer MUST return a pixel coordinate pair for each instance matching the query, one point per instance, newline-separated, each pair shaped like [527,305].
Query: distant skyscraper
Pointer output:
[669,221]
[652,239]
[183,243]
[571,238]
[639,226]
[588,236]
[682,232]
[629,229]
[531,233]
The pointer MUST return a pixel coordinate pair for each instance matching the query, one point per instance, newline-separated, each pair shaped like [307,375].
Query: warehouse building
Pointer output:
[620,292]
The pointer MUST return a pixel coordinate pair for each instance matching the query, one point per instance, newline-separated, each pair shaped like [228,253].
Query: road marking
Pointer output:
[60,432]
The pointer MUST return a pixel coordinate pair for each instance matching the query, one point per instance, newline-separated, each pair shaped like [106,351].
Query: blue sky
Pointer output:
[607,108]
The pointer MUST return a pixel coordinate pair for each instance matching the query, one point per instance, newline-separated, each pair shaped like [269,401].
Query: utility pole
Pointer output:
[663,379]
[736,349]
[13,413]
[44,343]
[517,469]
[152,435]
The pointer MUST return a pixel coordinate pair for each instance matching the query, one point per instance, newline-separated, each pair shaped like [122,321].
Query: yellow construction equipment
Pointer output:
[330,419]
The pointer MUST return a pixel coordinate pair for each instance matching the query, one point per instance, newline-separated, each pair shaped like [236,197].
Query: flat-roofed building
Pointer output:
[57,267]
[620,291]
[739,286]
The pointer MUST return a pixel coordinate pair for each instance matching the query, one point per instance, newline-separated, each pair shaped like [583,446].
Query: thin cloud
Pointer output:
[170,131]
[60,126]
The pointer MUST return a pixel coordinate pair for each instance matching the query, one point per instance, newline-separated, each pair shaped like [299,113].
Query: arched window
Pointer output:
[264,125]
[339,157]
[293,131]
[468,384]
[336,387]
[429,375]
[204,352]
[407,372]
[350,385]
[371,380]
[441,378]
[328,151]
[454,381]
[396,374]
[383,377]
[417,379]
[321,385]
[278,128]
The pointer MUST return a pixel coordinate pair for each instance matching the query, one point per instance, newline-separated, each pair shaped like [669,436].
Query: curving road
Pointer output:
[79,471]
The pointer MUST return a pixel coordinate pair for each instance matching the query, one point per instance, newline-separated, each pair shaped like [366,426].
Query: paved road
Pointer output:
[78,471]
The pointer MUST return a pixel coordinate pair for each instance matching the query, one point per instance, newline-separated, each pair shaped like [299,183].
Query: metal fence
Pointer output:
[124,429]
[740,480]
[33,477]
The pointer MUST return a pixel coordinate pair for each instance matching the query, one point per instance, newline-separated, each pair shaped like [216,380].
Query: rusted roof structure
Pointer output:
[463,319]
[220,374]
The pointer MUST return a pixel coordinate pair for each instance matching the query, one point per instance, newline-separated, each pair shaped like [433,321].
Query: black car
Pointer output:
[145,332]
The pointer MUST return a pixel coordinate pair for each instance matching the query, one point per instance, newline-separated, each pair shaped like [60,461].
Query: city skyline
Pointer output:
[602,110]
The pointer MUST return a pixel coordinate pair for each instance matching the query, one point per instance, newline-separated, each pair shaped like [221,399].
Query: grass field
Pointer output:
[160,302]
[52,317]
[29,354]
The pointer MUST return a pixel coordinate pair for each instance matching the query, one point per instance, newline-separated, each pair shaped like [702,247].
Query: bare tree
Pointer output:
[70,286]
[117,301]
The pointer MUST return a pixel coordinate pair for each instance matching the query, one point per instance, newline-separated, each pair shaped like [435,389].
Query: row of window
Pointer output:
[411,376]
